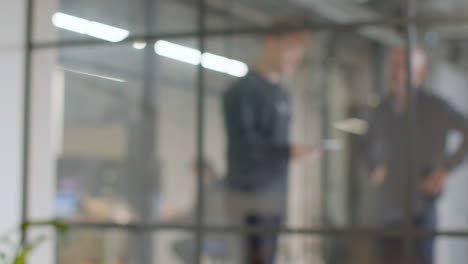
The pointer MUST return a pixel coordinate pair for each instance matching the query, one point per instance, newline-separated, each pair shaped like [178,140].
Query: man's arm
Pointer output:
[373,140]
[374,147]
[456,121]
[435,182]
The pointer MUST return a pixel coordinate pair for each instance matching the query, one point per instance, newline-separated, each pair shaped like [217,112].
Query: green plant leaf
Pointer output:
[21,256]
[25,226]
[26,249]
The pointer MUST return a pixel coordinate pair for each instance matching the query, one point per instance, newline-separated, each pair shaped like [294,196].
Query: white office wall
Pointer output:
[12,26]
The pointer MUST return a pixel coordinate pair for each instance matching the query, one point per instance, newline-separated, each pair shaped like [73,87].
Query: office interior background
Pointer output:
[106,106]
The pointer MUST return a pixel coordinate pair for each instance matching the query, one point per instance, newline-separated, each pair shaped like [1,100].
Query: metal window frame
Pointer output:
[200,105]
[408,233]
[411,38]
[28,50]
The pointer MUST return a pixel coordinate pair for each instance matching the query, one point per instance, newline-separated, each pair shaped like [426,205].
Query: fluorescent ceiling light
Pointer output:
[208,60]
[71,23]
[107,32]
[224,65]
[90,28]
[215,62]
[139,45]
[177,52]
[110,78]
[238,68]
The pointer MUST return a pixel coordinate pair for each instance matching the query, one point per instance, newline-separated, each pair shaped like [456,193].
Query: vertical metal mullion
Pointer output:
[329,52]
[325,133]
[199,236]
[411,38]
[144,163]
[26,115]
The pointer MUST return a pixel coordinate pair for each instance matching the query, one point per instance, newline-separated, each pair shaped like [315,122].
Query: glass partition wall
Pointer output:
[132,115]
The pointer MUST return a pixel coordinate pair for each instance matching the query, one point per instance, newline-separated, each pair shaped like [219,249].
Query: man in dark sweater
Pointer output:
[391,146]
[257,113]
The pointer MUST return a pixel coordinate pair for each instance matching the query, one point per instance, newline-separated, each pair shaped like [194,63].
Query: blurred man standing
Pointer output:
[257,113]
[389,155]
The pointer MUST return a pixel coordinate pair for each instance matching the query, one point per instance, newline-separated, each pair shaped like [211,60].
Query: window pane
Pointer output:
[328,103]
[122,128]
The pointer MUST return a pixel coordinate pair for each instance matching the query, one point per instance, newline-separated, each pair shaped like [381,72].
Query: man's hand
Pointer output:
[435,182]
[304,151]
[379,175]
[167,212]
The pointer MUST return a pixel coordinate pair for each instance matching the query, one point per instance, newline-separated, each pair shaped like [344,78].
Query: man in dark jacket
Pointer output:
[398,150]
[257,113]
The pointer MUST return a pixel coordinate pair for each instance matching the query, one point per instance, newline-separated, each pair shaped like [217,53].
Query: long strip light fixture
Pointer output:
[163,48]
[195,57]
[88,27]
